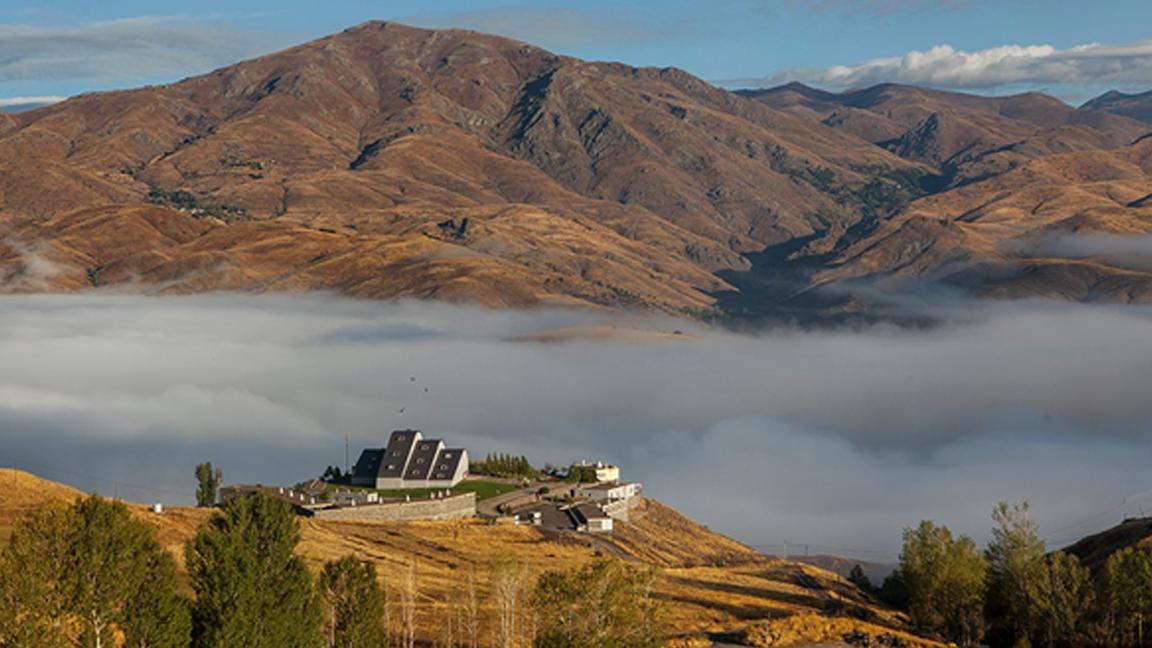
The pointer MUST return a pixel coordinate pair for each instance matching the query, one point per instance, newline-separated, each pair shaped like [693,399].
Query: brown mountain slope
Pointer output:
[1095,549]
[967,136]
[1134,106]
[744,592]
[393,161]
[997,236]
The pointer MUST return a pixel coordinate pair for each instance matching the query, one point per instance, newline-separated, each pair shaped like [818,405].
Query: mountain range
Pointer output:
[390,161]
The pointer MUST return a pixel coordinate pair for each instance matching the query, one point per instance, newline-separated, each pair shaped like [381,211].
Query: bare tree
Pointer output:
[471,612]
[408,592]
[509,580]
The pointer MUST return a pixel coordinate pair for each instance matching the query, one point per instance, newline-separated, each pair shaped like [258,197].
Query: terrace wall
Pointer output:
[446,508]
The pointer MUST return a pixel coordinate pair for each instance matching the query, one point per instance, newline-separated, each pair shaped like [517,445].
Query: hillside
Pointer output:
[711,583]
[1094,550]
[1134,106]
[389,161]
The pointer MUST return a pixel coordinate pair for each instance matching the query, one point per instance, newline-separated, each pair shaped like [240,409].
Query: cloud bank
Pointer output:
[946,66]
[1124,250]
[833,439]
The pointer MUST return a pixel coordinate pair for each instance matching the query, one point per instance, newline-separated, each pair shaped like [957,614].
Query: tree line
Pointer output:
[92,575]
[1014,593]
[505,465]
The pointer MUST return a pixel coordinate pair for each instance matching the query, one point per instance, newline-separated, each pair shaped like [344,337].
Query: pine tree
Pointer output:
[209,481]
[858,578]
[251,589]
[355,604]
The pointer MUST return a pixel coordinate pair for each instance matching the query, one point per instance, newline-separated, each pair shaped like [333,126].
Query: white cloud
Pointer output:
[130,50]
[836,438]
[8,102]
[1124,250]
[946,66]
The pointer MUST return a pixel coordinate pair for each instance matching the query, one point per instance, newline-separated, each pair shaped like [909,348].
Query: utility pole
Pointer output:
[346,466]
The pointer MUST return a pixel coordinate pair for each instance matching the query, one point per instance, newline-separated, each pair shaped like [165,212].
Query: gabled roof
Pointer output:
[447,463]
[420,464]
[397,453]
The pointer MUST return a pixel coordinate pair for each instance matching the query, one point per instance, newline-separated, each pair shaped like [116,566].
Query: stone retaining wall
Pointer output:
[447,508]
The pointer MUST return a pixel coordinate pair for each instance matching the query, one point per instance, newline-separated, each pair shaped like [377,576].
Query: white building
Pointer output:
[590,518]
[609,492]
[596,472]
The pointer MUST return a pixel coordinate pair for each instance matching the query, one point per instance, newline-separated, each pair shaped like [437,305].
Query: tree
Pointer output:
[355,604]
[894,590]
[945,583]
[858,578]
[87,574]
[509,581]
[251,589]
[33,603]
[1125,596]
[409,591]
[1066,602]
[119,576]
[1015,574]
[606,604]
[209,481]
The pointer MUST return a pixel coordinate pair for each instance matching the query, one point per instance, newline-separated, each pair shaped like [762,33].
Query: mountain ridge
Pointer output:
[390,161]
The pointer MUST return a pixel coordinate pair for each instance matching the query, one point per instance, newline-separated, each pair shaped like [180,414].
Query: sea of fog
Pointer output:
[832,439]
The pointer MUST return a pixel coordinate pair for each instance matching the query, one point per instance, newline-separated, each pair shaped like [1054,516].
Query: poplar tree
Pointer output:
[605,604]
[944,577]
[251,588]
[208,480]
[1015,574]
[355,604]
[1066,603]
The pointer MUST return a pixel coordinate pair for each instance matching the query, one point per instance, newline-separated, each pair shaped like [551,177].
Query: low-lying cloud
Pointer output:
[1132,251]
[945,66]
[833,438]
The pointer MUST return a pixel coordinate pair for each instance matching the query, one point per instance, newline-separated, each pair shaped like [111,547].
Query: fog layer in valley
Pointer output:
[837,440]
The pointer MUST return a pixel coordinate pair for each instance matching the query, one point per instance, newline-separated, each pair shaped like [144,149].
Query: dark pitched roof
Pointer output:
[422,459]
[396,454]
[368,465]
[446,463]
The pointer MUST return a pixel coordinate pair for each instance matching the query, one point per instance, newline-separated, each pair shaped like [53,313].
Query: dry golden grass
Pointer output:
[659,535]
[811,628]
[709,583]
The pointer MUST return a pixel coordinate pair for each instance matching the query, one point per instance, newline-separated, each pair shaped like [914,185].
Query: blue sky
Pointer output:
[65,47]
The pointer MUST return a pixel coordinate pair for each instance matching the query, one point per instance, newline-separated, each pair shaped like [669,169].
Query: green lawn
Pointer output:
[483,489]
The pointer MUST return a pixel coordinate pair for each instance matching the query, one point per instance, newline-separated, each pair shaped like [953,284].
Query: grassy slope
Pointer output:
[710,583]
[483,488]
